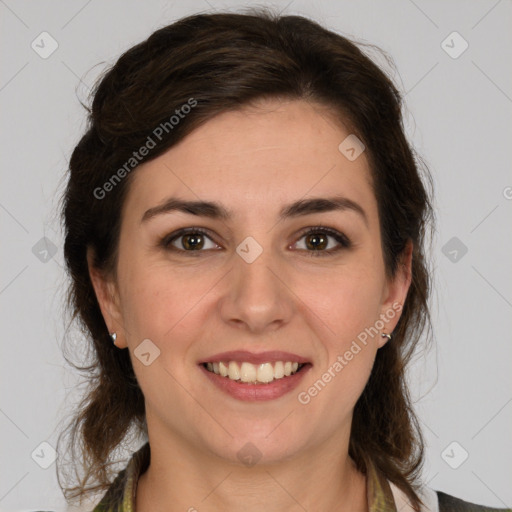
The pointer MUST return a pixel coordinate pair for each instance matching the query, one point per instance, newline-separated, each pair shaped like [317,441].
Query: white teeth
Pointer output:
[250,373]
[279,370]
[265,372]
[234,372]
[223,369]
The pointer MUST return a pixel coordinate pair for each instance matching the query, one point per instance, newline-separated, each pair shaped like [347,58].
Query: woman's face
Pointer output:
[253,282]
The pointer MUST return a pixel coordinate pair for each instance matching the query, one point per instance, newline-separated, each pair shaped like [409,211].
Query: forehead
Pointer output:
[263,155]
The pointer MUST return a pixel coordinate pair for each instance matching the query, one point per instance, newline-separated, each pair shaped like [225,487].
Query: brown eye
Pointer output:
[192,242]
[189,240]
[320,241]
[316,241]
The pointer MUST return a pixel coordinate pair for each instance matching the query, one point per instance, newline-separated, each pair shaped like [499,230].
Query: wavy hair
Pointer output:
[225,61]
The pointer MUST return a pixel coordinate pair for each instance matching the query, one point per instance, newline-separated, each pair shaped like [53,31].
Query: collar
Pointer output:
[383,496]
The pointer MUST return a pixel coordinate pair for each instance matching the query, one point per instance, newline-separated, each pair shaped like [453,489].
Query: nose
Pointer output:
[257,297]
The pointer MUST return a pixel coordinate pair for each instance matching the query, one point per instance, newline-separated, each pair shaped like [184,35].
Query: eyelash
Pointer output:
[342,239]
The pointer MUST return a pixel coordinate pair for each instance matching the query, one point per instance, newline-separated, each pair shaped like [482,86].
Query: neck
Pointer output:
[182,477]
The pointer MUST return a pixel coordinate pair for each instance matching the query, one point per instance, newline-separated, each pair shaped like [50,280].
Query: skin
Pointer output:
[253,161]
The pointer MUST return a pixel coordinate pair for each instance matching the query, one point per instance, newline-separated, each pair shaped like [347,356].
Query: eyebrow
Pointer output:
[215,210]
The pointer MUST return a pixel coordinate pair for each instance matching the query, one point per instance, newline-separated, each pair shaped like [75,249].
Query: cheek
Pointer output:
[344,308]
[160,302]
[334,386]
[164,307]
[346,301]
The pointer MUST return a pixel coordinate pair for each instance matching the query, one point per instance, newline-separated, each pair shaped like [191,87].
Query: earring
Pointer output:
[114,337]
[385,335]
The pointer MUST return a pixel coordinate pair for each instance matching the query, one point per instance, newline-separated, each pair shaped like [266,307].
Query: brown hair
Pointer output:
[222,62]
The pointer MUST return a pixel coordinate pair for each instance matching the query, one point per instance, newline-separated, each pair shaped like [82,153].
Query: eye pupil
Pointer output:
[193,241]
[316,241]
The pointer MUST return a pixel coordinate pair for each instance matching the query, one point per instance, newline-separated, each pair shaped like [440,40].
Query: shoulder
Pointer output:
[448,503]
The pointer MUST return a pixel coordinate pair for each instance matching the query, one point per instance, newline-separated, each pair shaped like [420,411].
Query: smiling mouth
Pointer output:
[249,373]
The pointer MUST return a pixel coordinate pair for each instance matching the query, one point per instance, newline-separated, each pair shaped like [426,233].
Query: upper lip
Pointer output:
[255,358]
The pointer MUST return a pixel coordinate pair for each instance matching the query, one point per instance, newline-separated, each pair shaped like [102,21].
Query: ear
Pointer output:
[395,292]
[107,296]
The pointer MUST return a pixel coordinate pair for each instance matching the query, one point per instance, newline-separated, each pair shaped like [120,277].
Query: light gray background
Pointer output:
[459,118]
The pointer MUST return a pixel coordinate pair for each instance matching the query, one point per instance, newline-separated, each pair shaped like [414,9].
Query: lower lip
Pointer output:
[257,392]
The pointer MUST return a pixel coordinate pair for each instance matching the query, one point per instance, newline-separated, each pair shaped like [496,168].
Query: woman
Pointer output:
[245,223]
